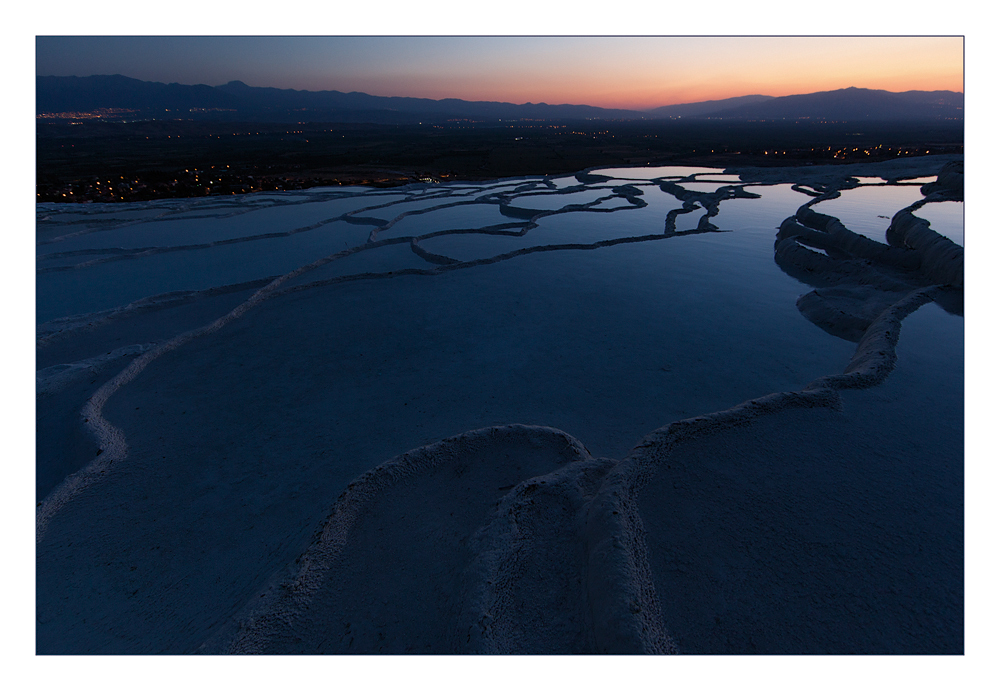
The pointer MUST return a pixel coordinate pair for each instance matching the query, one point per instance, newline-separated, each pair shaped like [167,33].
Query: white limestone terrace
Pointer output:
[665,456]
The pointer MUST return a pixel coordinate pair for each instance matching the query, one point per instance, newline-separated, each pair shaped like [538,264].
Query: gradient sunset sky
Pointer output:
[614,72]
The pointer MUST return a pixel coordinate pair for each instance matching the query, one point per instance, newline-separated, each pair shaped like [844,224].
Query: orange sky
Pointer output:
[649,72]
[624,72]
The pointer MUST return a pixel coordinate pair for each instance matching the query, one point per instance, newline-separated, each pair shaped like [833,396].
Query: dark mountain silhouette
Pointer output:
[62,94]
[852,104]
[269,97]
[689,110]
[237,101]
[70,94]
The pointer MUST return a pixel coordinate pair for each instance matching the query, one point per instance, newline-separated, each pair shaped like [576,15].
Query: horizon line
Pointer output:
[455,98]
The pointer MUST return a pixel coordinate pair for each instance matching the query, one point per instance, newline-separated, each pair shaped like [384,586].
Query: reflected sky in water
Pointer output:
[868,210]
[947,218]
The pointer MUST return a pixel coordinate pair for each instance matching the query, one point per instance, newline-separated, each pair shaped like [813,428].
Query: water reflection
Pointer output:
[868,210]
[946,218]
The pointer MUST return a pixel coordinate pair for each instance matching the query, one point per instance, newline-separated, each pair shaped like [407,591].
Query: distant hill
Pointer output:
[690,110]
[81,94]
[851,104]
[237,101]
[64,94]
[337,101]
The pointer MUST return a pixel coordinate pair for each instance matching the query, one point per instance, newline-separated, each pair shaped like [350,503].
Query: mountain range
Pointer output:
[236,101]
